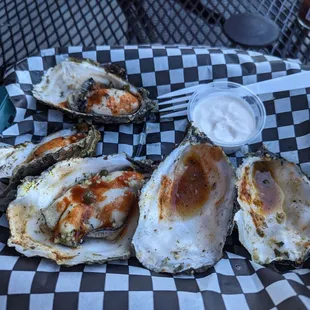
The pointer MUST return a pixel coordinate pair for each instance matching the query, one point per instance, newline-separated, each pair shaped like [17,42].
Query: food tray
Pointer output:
[235,281]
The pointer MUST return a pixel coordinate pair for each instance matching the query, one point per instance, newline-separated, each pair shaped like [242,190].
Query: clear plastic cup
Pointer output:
[236,90]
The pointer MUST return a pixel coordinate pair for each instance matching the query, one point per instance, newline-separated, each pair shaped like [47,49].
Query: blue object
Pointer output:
[251,30]
[7,109]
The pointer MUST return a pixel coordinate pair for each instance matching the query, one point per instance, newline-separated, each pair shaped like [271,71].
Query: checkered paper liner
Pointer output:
[234,282]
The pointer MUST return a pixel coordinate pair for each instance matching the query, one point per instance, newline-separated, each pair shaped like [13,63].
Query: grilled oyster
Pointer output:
[100,203]
[31,159]
[274,196]
[94,199]
[85,89]
[186,208]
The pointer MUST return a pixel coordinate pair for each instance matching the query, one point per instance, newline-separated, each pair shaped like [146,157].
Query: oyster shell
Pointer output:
[274,196]
[11,157]
[186,208]
[28,214]
[87,90]
[30,159]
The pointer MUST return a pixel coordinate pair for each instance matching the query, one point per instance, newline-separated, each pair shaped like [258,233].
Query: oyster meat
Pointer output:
[85,89]
[81,210]
[30,159]
[186,208]
[274,196]
[100,203]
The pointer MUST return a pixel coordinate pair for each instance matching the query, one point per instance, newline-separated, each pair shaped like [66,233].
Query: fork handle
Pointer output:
[288,82]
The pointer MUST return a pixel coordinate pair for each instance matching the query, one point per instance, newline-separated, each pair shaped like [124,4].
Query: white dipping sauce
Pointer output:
[224,118]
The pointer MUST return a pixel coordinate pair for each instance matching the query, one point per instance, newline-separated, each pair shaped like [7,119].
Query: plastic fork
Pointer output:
[285,83]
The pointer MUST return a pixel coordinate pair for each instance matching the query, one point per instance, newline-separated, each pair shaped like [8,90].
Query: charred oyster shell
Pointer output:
[30,159]
[274,196]
[28,216]
[84,89]
[186,208]
[97,207]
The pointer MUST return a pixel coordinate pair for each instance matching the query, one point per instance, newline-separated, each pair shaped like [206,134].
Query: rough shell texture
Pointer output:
[12,156]
[274,196]
[69,75]
[186,208]
[16,167]
[36,193]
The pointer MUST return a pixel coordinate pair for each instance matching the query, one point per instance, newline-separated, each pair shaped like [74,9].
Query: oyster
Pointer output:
[186,208]
[70,200]
[100,203]
[31,159]
[274,196]
[85,89]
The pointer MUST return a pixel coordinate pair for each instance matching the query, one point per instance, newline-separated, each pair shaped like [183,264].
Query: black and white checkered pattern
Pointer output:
[235,282]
